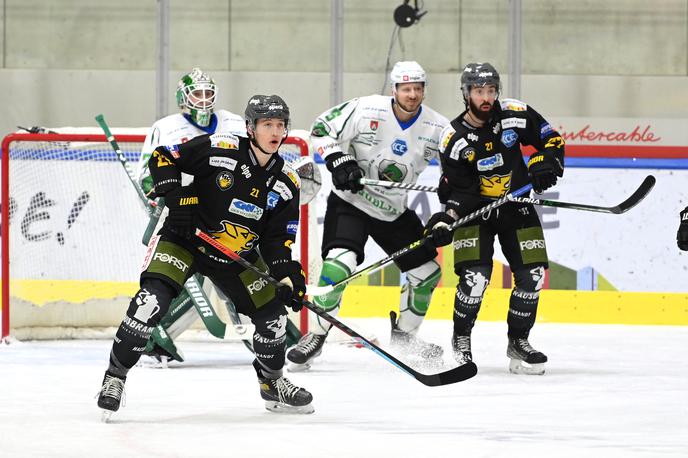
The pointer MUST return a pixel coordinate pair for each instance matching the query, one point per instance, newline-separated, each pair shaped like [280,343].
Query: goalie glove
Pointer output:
[346,173]
[544,169]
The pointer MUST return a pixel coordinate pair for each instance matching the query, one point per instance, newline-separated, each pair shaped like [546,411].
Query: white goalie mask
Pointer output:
[196,96]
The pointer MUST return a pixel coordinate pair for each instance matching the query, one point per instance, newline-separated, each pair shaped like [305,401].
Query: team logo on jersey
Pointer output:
[490,163]
[292,227]
[273,199]
[245,209]
[399,147]
[429,152]
[224,141]
[373,125]
[222,162]
[468,154]
[283,190]
[224,180]
[495,185]
[235,237]
[392,171]
[509,137]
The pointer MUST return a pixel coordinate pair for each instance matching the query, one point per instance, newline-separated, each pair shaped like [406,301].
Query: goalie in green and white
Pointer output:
[385,138]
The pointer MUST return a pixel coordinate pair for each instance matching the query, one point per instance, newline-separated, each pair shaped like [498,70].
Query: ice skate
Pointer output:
[282,396]
[411,344]
[524,358]
[111,394]
[461,347]
[308,348]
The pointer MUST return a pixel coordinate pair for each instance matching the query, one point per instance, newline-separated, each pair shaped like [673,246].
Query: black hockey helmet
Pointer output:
[266,106]
[478,74]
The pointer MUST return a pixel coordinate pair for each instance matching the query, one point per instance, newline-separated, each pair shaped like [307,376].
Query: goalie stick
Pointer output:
[314,290]
[457,374]
[634,199]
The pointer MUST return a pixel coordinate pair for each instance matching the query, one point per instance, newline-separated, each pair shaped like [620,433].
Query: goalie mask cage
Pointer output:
[72,225]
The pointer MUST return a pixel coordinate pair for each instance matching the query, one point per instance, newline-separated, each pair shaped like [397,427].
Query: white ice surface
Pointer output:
[609,391]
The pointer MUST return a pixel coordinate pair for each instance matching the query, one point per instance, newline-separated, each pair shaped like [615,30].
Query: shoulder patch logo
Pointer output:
[235,237]
[224,141]
[456,149]
[374,125]
[513,105]
[273,199]
[446,138]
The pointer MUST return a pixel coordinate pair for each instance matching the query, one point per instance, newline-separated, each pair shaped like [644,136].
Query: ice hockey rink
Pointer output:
[609,391]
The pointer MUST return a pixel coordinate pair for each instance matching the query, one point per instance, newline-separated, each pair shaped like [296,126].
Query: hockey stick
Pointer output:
[457,374]
[192,288]
[321,290]
[635,198]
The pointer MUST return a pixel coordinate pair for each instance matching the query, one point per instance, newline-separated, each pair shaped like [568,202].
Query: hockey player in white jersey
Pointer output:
[196,97]
[384,138]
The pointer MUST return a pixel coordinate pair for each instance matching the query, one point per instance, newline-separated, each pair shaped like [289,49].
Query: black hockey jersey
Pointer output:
[241,204]
[488,161]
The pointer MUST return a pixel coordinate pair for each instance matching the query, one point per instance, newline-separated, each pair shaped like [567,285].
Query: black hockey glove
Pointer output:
[438,229]
[682,234]
[544,169]
[183,205]
[293,290]
[345,172]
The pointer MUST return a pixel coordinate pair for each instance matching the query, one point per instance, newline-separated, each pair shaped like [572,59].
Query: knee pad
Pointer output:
[417,292]
[473,282]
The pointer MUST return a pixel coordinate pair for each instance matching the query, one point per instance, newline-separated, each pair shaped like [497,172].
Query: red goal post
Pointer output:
[54,209]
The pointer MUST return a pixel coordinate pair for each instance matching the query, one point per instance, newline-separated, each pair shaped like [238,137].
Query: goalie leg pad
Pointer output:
[524,300]
[338,265]
[145,311]
[416,295]
[473,282]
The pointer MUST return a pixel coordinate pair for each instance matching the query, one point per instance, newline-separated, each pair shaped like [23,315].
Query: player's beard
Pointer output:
[480,114]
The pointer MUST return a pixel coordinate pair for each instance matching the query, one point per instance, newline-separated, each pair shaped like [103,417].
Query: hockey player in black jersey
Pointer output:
[481,158]
[247,198]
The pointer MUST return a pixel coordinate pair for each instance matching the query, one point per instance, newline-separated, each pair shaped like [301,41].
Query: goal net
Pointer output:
[72,226]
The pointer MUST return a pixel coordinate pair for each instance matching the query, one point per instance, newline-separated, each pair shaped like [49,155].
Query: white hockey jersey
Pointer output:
[384,148]
[176,129]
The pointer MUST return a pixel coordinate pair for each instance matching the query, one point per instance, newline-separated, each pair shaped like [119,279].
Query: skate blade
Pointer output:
[105,416]
[516,366]
[280,407]
[294,367]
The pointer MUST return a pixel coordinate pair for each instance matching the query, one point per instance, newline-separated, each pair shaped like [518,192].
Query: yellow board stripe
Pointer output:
[556,306]
[41,292]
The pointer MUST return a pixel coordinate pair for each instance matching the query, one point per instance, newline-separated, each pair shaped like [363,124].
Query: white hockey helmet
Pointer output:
[407,72]
[196,96]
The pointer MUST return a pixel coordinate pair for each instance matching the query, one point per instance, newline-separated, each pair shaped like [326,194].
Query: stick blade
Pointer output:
[457,374]
[635,198]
